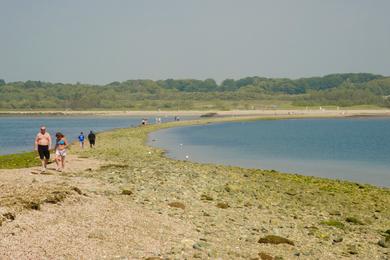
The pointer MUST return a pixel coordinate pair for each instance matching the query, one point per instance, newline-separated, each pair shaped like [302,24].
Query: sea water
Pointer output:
[17,133]
[356,149]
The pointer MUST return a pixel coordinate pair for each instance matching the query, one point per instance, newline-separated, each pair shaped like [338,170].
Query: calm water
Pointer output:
[352,149]
[17,134]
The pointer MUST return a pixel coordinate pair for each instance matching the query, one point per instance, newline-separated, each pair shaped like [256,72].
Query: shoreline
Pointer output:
[229,113]
[222,120]
[243,119]
[203,210]
[227,119]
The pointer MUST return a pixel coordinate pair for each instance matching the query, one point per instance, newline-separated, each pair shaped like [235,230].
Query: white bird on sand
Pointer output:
[187,157]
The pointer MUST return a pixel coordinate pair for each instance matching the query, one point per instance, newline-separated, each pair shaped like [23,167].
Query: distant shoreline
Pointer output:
[277,113]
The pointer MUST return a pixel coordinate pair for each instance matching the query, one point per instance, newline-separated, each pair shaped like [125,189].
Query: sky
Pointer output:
[100,41]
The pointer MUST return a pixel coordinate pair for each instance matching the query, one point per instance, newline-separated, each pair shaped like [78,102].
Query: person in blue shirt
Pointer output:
[81,140]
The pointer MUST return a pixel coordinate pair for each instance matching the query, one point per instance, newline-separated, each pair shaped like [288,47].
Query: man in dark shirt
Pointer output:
[91,139]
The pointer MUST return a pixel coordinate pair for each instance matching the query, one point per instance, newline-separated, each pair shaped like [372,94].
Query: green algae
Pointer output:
[333,223]
[19,160]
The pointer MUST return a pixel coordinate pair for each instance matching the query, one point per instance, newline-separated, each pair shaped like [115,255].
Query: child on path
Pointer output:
[81,140]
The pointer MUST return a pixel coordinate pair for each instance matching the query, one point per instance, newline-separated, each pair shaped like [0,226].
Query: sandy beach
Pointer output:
[125,200]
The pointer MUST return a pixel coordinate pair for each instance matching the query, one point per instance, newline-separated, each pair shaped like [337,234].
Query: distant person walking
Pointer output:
[42,145]
[61,144]
[91,139]
[144,122]
[81,140]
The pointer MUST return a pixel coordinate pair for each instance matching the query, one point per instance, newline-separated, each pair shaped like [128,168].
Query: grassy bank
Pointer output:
[19,160]
[246,213]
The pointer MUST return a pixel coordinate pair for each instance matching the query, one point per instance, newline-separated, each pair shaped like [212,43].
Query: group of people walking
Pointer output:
[91,139]
[43,143]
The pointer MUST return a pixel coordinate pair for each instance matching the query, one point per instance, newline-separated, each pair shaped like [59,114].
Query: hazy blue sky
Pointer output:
[99,41]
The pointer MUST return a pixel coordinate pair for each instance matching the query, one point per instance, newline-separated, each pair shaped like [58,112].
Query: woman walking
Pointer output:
[61,145]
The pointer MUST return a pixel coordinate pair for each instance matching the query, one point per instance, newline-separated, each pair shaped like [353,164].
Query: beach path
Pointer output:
[70,215]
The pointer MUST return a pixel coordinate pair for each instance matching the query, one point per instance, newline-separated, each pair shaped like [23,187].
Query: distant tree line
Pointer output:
[336,89]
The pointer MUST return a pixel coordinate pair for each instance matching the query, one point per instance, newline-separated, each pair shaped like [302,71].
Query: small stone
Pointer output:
[385,242]
[272,239]
[9,215]
[248,204]
[206,197]
[76,189]
[264,230]
[265,256]
[337,239]
[127,192]
[234,255]
[55,198]
[222,205]
[352,249]
[360,186]
[307,253]
[335,213]
[33,205]
[291,193]
[333,223]
[199,245]
[354,220]
[97,234]
[177,205]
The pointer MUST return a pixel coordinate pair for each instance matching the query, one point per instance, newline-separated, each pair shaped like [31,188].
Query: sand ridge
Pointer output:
[310,112]
[138,204]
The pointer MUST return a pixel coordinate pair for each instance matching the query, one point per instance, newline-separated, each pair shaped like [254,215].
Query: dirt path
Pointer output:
[63,215]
